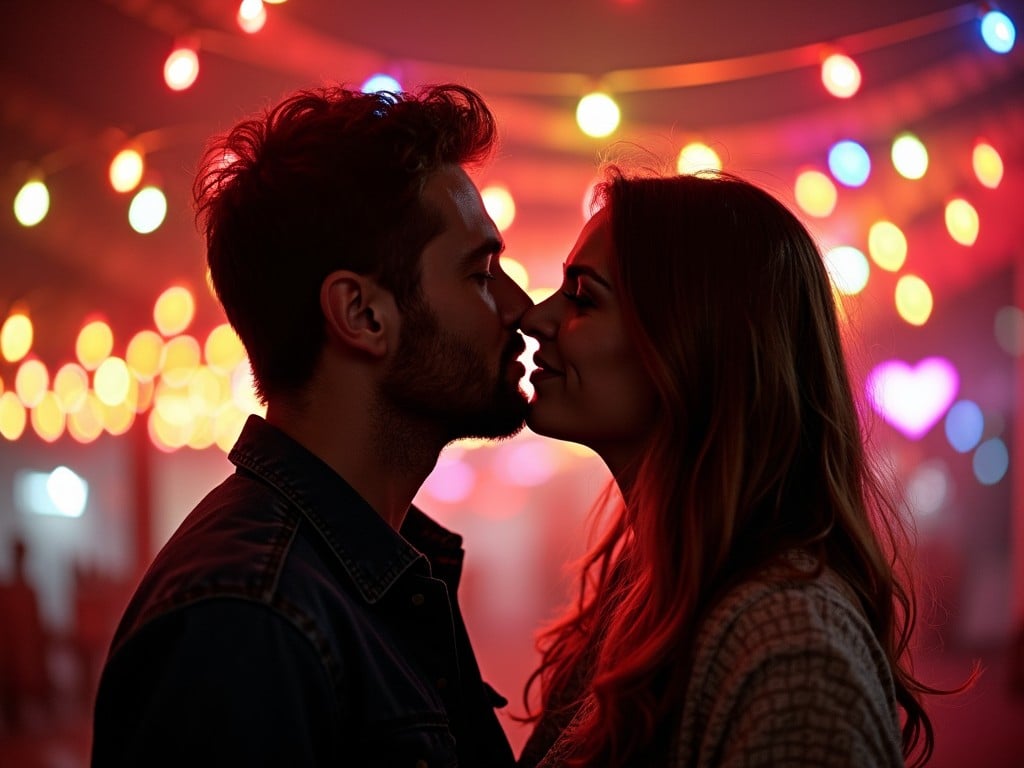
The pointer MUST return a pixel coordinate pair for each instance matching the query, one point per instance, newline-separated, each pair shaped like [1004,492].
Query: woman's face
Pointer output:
[590,385]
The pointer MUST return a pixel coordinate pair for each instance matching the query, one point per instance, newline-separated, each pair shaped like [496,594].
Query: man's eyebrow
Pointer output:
[575,270]
[492,246]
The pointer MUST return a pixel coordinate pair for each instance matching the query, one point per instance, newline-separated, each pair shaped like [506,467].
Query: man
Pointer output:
[304,613]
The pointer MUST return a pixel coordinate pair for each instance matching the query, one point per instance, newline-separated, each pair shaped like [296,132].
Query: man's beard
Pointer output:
[439,378]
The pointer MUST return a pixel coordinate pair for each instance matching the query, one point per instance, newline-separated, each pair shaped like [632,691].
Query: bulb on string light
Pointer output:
[126,170]
[16,337]
[998,31]
[887,245]
[31,381]
[13,416]
[181,68]
[815,193]
[914,300]
[909,156]
[381,82]
[174,310]
[962,221]
[32,203]
[598,115]
[849,163]
[848,269]
[697,156]
[988,165]
[94,343]
[147,210]
[840,75]
[251,16]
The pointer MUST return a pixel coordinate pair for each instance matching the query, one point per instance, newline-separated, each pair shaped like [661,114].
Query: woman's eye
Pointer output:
[579,299]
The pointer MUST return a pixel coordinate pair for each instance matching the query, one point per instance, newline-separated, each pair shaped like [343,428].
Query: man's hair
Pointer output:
[328,179]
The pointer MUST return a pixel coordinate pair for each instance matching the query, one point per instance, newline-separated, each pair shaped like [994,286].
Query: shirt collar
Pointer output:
[371,551]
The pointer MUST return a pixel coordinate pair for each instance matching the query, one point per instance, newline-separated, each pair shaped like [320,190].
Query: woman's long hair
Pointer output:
[758,449]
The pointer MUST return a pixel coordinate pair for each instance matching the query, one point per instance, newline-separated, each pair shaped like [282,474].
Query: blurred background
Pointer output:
[894,129]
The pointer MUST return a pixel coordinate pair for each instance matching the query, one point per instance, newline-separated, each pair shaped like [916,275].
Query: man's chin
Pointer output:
[502,422]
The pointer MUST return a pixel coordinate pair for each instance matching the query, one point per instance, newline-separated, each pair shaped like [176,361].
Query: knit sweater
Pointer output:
[787,672]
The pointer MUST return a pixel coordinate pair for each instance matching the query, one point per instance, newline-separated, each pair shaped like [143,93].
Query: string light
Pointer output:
[252,16]
[147,210]
[126,170]
[696,157]
[848,268]
[381,82]
[32,203]
[598,115]
[840,75]
[815,193]
[998,31]
[909,156]
[962,221]
[849,163]
[16,337]
[500,205]
[174,310]
[181,68]
[887,245]
[987,164]
[914,300]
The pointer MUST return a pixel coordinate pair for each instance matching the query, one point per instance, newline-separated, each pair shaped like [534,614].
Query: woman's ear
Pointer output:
[359,312]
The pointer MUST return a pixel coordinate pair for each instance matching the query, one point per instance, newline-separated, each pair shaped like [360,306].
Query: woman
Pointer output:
[742,606]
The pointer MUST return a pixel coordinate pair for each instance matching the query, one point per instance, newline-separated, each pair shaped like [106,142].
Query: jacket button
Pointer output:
[418,599]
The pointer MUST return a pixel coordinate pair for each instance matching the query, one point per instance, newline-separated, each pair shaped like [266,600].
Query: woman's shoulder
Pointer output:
[790,608]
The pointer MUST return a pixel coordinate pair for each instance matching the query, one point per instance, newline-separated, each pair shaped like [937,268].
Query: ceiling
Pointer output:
[79,78]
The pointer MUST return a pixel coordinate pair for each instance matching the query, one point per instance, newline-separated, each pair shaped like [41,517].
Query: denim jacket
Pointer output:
[286,623]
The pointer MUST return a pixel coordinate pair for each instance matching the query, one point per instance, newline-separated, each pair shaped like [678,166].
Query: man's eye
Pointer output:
[483,277]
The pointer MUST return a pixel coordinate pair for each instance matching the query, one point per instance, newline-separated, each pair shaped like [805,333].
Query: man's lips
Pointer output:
[544,367]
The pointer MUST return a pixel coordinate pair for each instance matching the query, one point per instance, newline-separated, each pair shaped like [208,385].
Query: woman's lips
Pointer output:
[544,370]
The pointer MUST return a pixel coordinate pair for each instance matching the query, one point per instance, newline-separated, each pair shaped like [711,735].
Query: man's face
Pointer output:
[456,361]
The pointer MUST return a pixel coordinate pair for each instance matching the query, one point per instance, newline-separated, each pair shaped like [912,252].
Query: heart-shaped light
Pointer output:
[913,399]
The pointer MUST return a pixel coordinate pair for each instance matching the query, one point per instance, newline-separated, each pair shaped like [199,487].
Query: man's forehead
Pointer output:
[451,193]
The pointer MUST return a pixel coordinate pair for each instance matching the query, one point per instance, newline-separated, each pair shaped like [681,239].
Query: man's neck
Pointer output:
[382,457]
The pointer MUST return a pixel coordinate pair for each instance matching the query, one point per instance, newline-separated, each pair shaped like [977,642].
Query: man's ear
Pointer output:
[359,312]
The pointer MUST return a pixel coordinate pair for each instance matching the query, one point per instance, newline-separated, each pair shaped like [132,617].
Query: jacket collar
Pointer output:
[372,552]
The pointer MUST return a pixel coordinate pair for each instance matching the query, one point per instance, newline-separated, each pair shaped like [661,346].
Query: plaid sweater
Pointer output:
[787,672]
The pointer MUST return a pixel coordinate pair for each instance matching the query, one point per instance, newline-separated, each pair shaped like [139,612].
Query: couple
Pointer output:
[742,606]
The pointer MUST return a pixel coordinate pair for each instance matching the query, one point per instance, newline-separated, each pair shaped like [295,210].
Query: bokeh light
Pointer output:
[147,210]
[71,385]
[126,170]
[32,203]
[47,418]
[912,398]
[515,270]
[998,31]
[988,164]
[180,360]
[962,221]
[94,344]
[174,310]
[181,68]
[30,382]
[500,205]
[696,157]
[597,115]
[887,245]
[815,193]
[381,82]
[251,16]
[143,354]
[13,416]
[914,301]
[928,487]
[840,75]
[86,424]
[965,424]
[849,163]
[848,268]
[991,461]
[909,156]
[16,337]
[527,463]
[1009,330]
[223,350]
[452,479]
[111,381]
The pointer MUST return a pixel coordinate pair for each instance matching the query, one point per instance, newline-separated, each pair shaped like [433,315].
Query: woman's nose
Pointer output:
[541,320]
